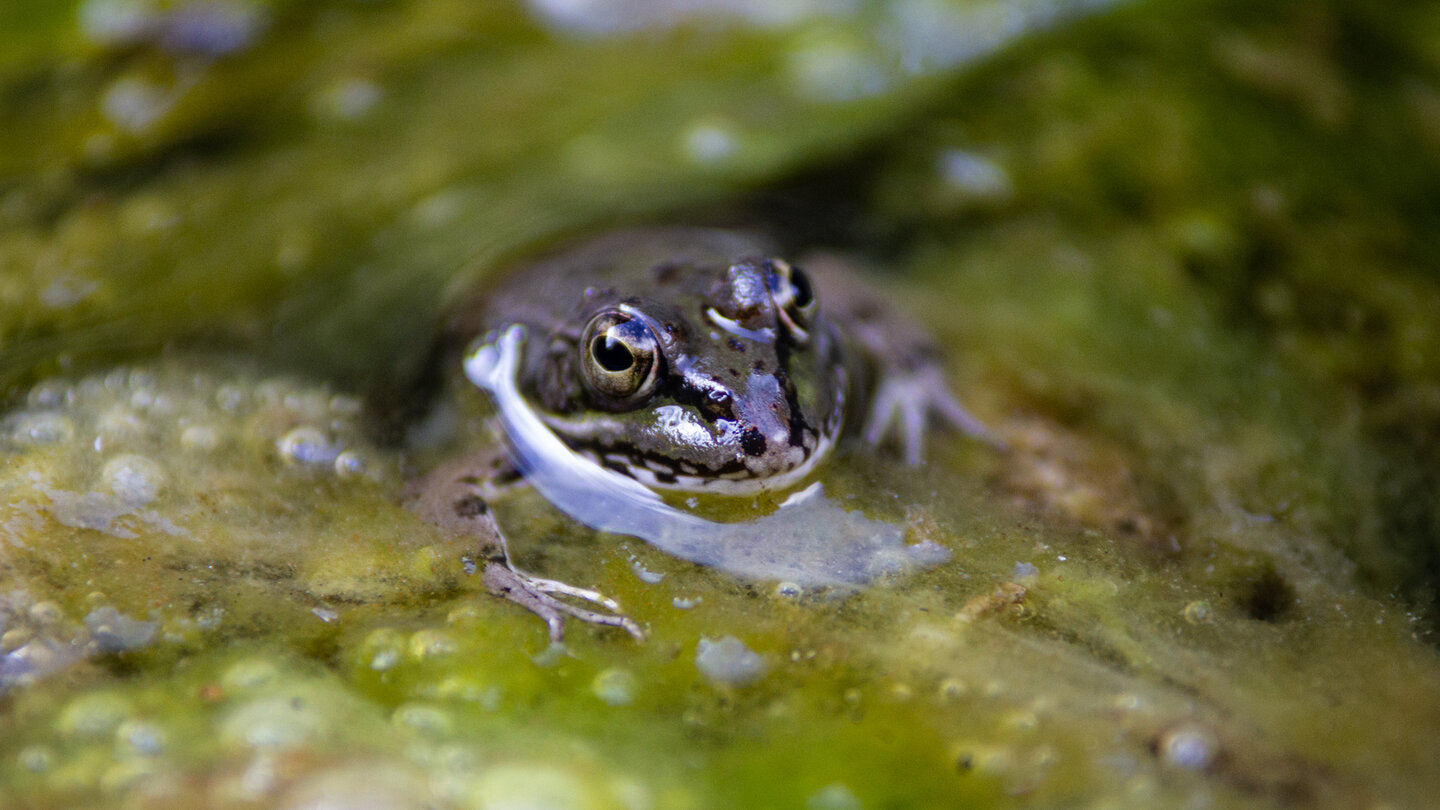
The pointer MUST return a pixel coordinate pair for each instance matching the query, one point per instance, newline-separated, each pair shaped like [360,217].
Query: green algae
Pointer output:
[1185,257]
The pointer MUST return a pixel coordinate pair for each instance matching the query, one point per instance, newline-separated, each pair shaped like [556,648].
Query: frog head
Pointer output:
[719,378]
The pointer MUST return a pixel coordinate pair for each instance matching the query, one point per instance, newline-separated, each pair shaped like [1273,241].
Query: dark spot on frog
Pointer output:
[758,366]
[666,272]
[752,442]
[735,345]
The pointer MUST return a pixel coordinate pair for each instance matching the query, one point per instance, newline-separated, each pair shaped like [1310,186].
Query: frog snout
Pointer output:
[764,415]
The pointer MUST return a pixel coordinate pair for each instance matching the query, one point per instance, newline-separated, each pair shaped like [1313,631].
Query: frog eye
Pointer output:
[620,357]
[794,297]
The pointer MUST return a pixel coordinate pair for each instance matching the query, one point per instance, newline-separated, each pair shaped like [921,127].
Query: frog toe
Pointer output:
[541,597]
[906,403]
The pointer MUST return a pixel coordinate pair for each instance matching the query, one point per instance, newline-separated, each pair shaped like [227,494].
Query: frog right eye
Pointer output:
[620,358]
[794,297]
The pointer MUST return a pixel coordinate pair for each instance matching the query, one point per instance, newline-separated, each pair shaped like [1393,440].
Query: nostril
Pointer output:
[752,441]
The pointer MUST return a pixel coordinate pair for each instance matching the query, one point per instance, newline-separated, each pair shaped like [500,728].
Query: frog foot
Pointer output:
[541,597]
[905,401]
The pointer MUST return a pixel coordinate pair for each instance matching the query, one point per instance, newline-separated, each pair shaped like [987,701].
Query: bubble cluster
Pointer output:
[144,438]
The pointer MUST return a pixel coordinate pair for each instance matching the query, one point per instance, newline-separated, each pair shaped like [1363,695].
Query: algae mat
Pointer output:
[1184,255]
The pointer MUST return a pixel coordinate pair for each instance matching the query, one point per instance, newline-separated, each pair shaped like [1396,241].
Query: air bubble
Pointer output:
[46,613]
[423,717]
[43,428]
[311,405]
[121,423]
[307,446]
[728,662]
[134,478]
[1189,746]
[93,715]
[140,737]
[36,758]
[345,405]
[615,686]
[354,464]
[230,397]
[710,143]
[248,674]
[1197,612]
[200,438]
[50,394]
[431,643]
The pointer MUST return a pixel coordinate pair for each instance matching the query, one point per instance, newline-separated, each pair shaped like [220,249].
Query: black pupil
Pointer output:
[803,292]
[611,354]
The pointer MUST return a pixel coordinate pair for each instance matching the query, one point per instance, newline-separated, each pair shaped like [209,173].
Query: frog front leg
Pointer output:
[904,381]
[457,496]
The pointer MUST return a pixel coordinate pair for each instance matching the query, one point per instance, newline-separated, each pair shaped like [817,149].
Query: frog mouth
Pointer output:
[734,478]
[740,474]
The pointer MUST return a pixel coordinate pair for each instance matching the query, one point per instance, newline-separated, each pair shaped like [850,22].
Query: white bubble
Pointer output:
[134,104]
[710,143]
[345,405]
[728,662]
[134,478]
[833,797]
[974,175]
[307,446]
[1189,746]
[200,438]
[140,737]
[346,100]
[43,428]
[230,397]
[50,394]
[354,464]
[120,423]
[36,758]
[115,22]
[615,686]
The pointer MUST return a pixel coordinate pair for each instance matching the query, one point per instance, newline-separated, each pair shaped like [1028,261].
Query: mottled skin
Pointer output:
[690,359]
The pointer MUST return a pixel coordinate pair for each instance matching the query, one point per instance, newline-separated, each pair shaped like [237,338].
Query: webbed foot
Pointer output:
[541,597]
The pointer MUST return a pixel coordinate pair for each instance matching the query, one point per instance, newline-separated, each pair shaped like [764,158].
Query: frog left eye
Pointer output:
[620,357]
[794,297]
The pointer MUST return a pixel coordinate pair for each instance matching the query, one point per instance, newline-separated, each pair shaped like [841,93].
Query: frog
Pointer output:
[679,359]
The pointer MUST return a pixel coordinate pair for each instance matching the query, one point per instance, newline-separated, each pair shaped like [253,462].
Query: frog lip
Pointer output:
[736,478]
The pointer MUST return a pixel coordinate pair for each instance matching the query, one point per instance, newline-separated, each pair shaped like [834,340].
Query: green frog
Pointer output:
[674,359]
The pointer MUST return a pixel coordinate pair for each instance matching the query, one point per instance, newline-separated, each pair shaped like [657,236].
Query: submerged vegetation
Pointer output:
[1183,254]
